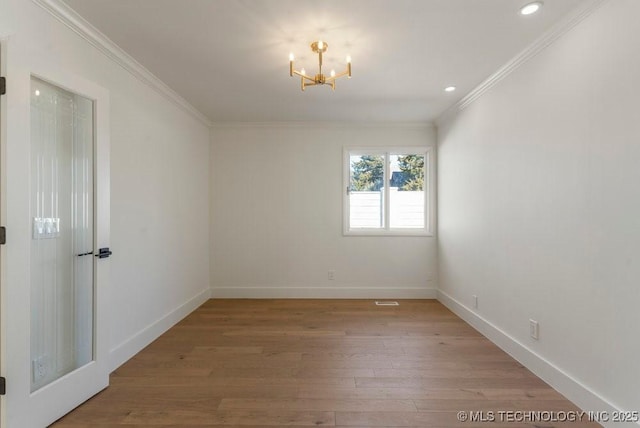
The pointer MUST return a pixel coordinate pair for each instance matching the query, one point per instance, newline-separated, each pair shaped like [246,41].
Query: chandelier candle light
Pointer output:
[318,47]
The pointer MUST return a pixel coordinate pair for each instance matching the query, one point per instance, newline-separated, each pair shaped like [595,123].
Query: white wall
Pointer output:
[539,209]
[284,233]
[159,180]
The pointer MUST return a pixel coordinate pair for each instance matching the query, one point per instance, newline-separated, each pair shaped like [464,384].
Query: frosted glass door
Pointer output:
[62,241]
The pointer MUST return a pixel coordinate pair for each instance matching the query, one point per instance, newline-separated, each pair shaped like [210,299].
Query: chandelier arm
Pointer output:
[344,73]
[304,76]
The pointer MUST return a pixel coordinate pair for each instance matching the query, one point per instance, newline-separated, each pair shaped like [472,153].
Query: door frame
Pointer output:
[40,408]
[3,222]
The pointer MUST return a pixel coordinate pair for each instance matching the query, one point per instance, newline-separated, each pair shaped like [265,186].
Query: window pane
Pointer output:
[366,195]
[406,191]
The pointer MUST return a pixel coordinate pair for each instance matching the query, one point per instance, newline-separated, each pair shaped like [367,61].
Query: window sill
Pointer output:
[392,232]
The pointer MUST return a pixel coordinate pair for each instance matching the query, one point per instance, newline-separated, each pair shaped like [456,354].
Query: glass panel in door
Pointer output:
[62,278]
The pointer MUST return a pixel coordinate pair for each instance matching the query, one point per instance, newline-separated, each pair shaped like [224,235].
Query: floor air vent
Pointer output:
[388,303]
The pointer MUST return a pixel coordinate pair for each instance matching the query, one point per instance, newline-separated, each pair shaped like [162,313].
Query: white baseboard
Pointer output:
[123,352]
[322,293]
[561,381]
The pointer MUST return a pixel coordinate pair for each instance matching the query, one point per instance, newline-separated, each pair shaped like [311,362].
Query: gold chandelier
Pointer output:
[318,47]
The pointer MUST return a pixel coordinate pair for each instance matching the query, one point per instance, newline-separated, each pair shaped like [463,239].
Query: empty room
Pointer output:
[357,213]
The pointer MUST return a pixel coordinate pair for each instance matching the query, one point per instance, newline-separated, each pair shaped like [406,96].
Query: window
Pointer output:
[388,191]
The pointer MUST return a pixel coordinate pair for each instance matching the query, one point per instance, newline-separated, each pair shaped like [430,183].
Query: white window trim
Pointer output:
[386,151]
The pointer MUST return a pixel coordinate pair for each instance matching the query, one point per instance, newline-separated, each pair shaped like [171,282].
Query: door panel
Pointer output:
[55,292]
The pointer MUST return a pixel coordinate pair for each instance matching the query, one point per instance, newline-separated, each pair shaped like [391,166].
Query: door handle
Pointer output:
[85,254]
[103,253]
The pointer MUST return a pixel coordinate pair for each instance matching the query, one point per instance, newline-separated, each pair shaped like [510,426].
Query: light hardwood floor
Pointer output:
[346,363]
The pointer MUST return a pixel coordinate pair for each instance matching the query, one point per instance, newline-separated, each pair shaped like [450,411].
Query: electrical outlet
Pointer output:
[534,329]
[331,275]
[475,301]
[39,370]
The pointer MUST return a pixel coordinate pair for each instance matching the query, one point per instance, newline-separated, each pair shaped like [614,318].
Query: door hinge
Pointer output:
[3,235]
[3,85]
[3,386]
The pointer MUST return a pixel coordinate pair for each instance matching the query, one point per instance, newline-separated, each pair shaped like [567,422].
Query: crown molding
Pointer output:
[540,44]
[322,124]
[69,17]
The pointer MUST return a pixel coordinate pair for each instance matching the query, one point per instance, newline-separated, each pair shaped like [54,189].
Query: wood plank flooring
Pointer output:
[301,363]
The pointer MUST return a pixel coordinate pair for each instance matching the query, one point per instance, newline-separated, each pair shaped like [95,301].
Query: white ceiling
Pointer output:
[230,58]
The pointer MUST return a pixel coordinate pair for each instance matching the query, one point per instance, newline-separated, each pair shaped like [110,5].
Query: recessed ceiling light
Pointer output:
[450,88]
[531,8]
